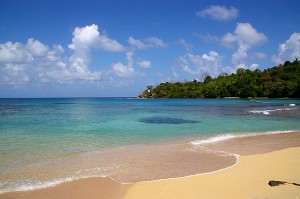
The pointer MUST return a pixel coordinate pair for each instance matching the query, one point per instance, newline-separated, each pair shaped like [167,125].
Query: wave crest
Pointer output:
[224,137]
[267,111]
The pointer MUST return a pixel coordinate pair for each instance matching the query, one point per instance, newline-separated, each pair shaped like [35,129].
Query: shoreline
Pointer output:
[247,179]
[282,141]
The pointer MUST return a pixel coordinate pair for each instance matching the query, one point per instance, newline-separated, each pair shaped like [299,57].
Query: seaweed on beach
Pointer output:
[273,183]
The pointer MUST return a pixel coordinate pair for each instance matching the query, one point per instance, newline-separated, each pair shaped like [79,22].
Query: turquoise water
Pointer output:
[33,131]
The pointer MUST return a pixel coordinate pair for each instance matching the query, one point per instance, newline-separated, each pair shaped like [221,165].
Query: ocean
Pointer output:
[44,142]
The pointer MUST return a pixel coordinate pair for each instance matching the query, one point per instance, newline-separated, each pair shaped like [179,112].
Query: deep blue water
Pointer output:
[33,130]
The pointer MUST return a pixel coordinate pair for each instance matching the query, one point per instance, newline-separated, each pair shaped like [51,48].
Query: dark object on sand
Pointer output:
[273,183]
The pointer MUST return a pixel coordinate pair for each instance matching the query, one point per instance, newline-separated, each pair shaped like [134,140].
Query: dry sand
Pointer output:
[248,179]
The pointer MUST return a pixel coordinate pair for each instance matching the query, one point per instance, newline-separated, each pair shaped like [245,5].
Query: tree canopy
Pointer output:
[279,81]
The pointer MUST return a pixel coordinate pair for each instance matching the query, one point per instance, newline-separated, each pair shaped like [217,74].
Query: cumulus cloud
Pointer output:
[14,53]
[19,63]
[144,63]
[199,65]
[219,13]
[89,37]
[36,62]
[244,37]
[149,42]
[36,48]
[15,75]
[289,50]
[253,66]
[207,64]
[84,40]
[122,70]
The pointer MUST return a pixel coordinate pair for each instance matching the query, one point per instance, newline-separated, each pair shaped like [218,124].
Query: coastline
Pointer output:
[264,145]
[247,179]
[91,188]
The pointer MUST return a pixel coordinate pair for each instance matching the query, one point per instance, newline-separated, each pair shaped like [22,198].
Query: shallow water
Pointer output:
[126,139]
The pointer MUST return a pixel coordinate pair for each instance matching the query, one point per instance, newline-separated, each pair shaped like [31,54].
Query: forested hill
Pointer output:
[277,82]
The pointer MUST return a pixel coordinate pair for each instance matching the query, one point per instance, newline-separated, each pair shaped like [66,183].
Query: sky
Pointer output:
[115,48]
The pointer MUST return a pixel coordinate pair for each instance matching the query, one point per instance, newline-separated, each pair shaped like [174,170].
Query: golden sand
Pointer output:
[248,179]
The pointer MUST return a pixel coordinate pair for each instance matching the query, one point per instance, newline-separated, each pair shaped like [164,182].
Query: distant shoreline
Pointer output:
[277,82]
[137,97]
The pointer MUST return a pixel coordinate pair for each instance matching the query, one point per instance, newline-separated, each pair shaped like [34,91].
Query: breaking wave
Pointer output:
[225,137]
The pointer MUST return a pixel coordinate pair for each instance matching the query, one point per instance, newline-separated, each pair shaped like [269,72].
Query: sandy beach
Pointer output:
[248,179]
[273,157]
[89,188]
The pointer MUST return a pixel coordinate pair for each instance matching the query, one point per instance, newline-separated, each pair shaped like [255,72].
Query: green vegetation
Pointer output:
[277,82]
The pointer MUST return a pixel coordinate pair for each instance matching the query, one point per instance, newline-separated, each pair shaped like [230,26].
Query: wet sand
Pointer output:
[256,144]
[248,179]
[89,188]
[251,170]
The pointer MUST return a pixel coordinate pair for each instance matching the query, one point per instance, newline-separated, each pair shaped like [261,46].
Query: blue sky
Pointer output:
[105,48]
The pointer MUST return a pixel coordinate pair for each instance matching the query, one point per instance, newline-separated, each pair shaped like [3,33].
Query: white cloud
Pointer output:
[149,42]
[229,39]
[85,37]
[198,65]
[36,62]
[137,43]
[89,37]
[207,64]
[289,50]
[15,75]
[14,53]
[122,70]
[253,66]
[239,56]
[110,45]
[245,37]
[219,13]
[20,64]
[84,40]
[129,57]
[155,42]
[144,63]
[36,48]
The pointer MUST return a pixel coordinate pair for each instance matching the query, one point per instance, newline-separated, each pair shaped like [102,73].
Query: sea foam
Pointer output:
[224,137]
[26,185]
[267,111]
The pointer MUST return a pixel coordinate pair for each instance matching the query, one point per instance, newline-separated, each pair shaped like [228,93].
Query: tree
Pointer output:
[279,81]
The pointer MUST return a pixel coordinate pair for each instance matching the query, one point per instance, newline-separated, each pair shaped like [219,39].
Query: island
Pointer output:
[280,81]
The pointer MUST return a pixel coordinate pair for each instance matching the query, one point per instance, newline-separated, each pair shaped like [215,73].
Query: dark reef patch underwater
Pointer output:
[166,120]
